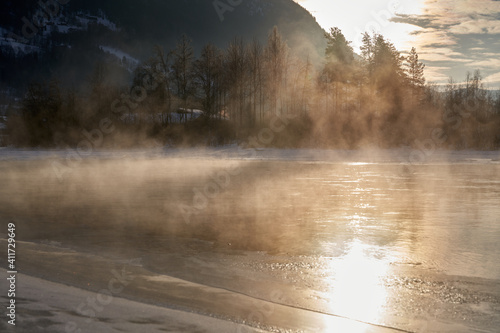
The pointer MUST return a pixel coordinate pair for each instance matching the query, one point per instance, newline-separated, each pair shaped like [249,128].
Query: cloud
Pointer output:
[492,79]
[492,63]
[442,54]
[452,37]
[436,73]
[448,9]
[421,21]
[440,57]
[468,7]
[432,38]
[457,36]
[477,27]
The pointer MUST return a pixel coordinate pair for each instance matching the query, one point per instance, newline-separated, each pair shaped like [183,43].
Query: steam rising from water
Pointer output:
[274,206]
[339,222]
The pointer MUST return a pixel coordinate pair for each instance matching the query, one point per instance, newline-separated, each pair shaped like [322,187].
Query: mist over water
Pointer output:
[444,216]
[331,234]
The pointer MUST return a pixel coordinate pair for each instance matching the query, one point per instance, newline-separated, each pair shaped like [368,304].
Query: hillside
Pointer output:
[82,33]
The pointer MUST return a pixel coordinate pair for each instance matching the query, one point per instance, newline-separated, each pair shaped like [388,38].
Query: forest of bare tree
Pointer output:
[378,98]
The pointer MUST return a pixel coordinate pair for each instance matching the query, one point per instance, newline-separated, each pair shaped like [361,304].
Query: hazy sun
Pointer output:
[357,17]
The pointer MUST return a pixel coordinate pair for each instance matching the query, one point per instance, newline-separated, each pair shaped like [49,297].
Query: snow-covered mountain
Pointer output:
[66,38]
[35,36]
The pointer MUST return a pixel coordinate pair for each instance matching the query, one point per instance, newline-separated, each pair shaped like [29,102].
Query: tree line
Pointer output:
[377,98]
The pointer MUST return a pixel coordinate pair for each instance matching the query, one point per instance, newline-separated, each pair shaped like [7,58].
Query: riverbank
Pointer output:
[67,291]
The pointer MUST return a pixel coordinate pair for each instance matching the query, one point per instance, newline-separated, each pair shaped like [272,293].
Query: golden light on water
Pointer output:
[357,288]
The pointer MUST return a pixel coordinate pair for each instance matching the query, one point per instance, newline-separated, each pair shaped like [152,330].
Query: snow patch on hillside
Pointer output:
[64,29]
[85,19]
[60,24]
[257,7]
[126,59]
[18,47]
[107,23]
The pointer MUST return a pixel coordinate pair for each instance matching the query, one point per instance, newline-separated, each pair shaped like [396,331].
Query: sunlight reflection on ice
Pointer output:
[358,163]
[357,290]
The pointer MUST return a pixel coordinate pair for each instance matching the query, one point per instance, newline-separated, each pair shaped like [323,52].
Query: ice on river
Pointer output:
[290,239]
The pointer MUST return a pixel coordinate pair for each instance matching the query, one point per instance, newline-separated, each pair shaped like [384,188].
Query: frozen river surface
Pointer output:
[349,234]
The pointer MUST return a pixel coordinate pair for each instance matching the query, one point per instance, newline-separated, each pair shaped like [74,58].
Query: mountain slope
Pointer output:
[82,33]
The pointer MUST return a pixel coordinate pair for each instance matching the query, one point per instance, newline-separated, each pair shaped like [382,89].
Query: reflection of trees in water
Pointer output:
[279,207]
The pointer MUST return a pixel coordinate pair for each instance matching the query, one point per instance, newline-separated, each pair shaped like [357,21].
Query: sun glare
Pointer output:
[356,17]
[357,289]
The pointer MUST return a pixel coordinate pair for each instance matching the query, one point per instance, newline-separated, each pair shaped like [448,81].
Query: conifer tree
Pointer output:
[415,69]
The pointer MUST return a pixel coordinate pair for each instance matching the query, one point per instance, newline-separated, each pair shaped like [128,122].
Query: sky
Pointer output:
[452,37]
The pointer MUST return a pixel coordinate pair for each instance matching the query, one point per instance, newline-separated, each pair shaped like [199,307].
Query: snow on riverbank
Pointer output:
[398,155]
[49,306]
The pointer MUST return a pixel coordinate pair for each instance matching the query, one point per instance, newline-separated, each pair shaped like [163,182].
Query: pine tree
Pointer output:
[339,56]
[338,49]
[415,69]
[367,49]
[383,61]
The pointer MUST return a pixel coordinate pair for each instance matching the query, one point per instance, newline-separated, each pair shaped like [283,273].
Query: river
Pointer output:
[414,248]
